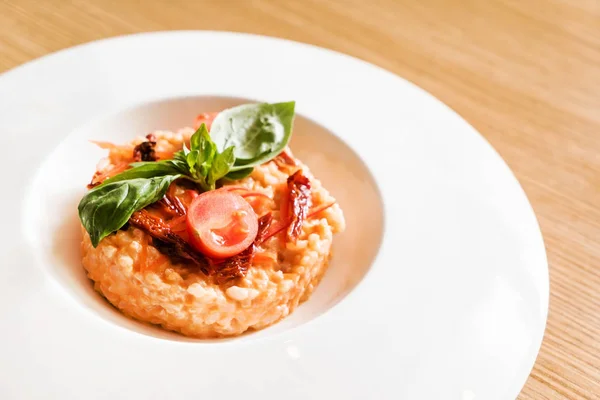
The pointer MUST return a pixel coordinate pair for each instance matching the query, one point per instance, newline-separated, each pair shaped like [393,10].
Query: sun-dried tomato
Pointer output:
[237,266]
[168,242]
[145,150]
[298,203]
[171,205]
[180,251]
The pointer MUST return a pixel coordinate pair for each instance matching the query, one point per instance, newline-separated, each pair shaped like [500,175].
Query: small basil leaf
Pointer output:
[221,165]
[180,166]
[180,162]
[258,131]
[207,150]
[148,169]
[208,153]
[181,156]
[192,160]
[204,170]
[185,150]
[198,137]
[202,152]
[108,207]
[238,174]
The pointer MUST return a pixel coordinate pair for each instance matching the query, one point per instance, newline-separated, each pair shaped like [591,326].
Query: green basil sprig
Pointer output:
[241,138]
[205,164]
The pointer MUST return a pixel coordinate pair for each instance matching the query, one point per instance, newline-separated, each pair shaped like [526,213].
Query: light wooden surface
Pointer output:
[525,73]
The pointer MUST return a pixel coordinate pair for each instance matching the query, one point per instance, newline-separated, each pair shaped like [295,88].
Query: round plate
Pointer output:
[453,305]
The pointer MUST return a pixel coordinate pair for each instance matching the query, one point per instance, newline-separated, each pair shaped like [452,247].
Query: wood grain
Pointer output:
[526,74]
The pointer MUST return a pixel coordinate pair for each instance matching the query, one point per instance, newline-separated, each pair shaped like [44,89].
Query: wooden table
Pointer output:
[525,73]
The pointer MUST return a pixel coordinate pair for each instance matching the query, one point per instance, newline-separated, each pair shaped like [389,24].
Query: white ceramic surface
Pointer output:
[448,301]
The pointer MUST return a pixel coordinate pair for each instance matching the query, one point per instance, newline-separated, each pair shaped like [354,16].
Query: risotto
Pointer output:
[166,272]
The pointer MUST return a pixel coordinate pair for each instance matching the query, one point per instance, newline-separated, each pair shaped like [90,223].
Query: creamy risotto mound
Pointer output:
[144,284]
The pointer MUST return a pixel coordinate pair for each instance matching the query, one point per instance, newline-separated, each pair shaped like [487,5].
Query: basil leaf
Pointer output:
[192,160]
[208,153]
[238,174]
[147,169]
[201,154]
[108,207]
[203,144]
[198,137]
[180,156]
[221,165]
[180,166]
[207,150]
[258,131]
[179,162]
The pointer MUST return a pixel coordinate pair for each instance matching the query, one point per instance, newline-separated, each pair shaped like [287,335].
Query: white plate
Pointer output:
[441,293]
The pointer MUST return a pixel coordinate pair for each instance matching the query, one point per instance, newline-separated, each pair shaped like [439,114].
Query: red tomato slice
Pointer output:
[221,224]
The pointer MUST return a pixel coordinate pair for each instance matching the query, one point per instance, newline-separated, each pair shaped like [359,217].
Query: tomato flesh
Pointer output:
[221,224]
[205,118]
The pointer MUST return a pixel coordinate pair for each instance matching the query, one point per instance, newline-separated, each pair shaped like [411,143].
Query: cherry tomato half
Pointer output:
[221,224]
